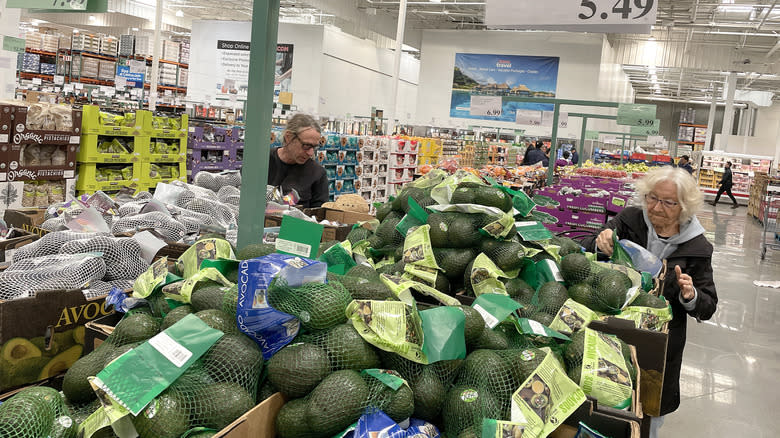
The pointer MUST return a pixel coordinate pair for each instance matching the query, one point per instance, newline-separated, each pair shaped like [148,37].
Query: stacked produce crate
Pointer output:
[135,150]
[339,156]
[402,163]
[757,190]
[430,151]
[373,174]
[109,45]
[37,153]
[213,148]
[582,202]
[497,154]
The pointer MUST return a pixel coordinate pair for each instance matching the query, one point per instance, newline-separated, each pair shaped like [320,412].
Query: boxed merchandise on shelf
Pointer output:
[126,45]
[33,40]
[31,63]
[50,43]
[209,158]
[96,122]
[153,173]
[96,148]
[41,194]
[108,176]
[89,67]
[108,45]
[184,52]
[170,51]
[143,46]
[48,69]
[85,42]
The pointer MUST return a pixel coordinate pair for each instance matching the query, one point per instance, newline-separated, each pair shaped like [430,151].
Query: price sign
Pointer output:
[120,82]
[632,114]
[485,106]
[59,80]
[547,119]
[36,81]
[609,16]
[73,5]
[13,44]
[528,117]
[645,128]
[79,86]
[67,88]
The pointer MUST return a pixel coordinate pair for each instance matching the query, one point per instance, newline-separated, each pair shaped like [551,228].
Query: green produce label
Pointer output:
[545,399]
[495,308]
[605,376]
[647,318]
[469,395]
[418,250]
[145,283]
[389,325]
[501,429]
[572,317]
[442,192]
[390,378]
[205,249]
[182,291]
[485,275]
[401,288]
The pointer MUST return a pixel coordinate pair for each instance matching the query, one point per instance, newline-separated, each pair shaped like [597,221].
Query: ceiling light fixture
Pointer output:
[179,13]
[652,38]
[92,18]
[435,1]
[135,29]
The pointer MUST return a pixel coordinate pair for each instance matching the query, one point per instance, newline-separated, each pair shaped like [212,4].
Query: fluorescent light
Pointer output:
[435,1]
[135,29]
[652,38]
[92,18]
[179,13]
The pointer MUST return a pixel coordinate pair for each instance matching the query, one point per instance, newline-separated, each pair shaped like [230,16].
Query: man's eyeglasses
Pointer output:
[307,146]
[651,199]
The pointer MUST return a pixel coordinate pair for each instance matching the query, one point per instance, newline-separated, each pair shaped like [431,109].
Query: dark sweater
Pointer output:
[726,181]
[308,179]
[695,259]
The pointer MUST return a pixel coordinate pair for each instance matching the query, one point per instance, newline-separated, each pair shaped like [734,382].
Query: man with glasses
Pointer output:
[666,226]
[292,167]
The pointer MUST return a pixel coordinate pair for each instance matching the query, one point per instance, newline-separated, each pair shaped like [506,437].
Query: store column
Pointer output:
[711,120]
[399,42]
[728,116]
[9,26]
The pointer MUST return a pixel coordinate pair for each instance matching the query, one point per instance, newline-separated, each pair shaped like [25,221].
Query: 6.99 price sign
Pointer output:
[624,16]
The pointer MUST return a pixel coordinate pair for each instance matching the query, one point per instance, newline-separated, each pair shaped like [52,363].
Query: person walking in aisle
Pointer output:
[575,157]
[725,186]
[666,225]
[292,167]
[685,163]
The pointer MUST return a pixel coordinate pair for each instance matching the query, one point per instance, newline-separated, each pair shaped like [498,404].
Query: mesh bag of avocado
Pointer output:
[502,337]
[52,272]
[454,230]
[610,291]
[506,254]
[453,261]
[601,365]
[318,306]
[345,348]
[340,399]
[37,411]
[217,389]
[471,193]
[358,233]
[363,283]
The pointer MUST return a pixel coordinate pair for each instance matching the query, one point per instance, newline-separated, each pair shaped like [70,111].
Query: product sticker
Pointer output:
[295,248]
[389,325]
[172,350]
[572,317]
[545,399]
[484,277]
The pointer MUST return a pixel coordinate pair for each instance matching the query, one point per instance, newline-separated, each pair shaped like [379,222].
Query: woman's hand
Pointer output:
[686,284]
[604,242]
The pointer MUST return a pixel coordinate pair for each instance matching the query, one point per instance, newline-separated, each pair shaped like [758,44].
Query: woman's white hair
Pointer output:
[688,194]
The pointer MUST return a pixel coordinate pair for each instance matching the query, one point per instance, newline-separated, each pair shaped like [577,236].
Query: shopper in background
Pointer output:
[685,163]
[536,155]
[292,167]
[726,183]
[564,161]
[666,225]
[575,157]
[528,149]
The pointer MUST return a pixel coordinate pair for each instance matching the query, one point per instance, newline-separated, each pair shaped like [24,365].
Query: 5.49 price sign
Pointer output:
[618,16]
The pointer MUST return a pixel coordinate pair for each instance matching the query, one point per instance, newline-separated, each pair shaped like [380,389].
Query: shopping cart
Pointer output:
[771,237]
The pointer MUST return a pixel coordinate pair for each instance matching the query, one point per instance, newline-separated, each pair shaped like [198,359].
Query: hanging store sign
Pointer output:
[605,16]
[632,114]
[135,80]
[652,129]
[13,44]
[489,106]
[528,117]
[547,119]
[68,5]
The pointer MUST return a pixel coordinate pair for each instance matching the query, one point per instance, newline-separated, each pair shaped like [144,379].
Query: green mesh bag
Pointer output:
[213,295]
[387,235]
[506,254]
[368,287]
[550,297]
[453,261]
[298,368]
[456,230]
[484,387]
[318,306]
[357,234]
[37,411]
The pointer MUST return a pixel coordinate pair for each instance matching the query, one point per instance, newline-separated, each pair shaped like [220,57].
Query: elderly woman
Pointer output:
[666,225]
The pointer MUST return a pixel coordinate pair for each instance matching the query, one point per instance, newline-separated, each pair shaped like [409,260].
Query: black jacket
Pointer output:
[308,179]
[527,154]
[575,157]
[695,259]
[535,156]
[726,181]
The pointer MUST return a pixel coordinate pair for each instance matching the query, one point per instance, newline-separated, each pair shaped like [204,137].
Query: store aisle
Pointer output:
[731,364]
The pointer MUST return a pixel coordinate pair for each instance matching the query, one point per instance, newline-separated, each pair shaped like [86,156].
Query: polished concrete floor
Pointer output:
[731,366]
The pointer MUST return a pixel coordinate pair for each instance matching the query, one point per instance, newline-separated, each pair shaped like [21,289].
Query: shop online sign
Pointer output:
[135,80]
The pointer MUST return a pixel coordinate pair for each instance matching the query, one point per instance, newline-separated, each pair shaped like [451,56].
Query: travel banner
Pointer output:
[488,87]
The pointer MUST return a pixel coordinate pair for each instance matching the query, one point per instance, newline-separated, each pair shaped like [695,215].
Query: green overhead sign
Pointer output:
[57,5]
[13,44]
[653,129]
[591,135]
[631,114]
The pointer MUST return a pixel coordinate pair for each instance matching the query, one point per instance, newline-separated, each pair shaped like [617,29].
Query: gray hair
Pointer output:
[301,122]
[688,194]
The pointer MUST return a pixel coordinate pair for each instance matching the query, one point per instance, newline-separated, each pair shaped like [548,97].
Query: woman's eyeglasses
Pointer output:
[651,199]
[307,146]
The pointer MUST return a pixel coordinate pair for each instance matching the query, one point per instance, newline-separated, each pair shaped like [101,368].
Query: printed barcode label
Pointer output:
[3,138]
[75,139]
[297,248]
[525,224]
[537,327]
[490,320]
[172,350]
[555,271]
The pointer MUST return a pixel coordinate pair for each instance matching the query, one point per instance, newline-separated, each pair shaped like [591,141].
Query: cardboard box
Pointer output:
[348,218]
[45,316]
[605,424]
[24,218]
[259,422]
[16,238]
[651,357]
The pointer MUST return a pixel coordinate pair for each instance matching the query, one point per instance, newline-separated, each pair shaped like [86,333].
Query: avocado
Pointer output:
[439,229]
[17,349]
[318,306]
[575,268]
[491,340]
[219,320]
[358,234]
[75,385]
[463,231]
[118,351]
[63,426]
[233,357]
[266,390]
[429,393]
[61,362]
[255,250]
[175,315]
[383,210]
[454,261]
[610,291]
[134,327]
[24,416]
[568,246]
[465,406]
[222,403]
[209,297]
[400,405]
[291,420]
[165,417]
[387,233]
[552,295]
[521,291]
[581,293]
[21,372]
[463,195]
[542,317]
[475,324]
[522,363]
[337,402]
[493,197]
[78,334]
[347,350]
[575,349]
[488,370]
[507,255]
[645,299]
[297,369]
